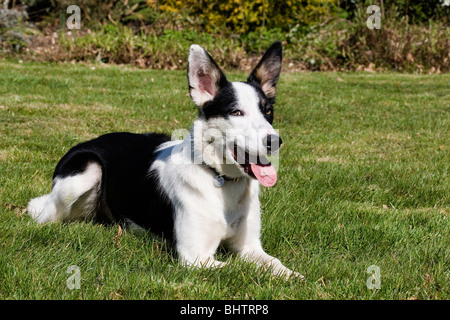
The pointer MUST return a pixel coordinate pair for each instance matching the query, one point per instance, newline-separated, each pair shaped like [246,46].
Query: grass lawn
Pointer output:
[363,181]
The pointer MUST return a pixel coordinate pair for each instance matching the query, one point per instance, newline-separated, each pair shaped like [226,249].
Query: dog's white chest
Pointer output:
[196,199]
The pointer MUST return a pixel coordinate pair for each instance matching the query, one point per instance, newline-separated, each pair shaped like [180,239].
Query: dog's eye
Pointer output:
[269,112]
[236,113]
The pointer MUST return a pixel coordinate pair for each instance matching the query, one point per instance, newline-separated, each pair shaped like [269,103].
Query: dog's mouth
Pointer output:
[256,166]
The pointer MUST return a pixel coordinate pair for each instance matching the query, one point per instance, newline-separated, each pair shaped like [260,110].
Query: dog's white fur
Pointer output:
[204,216]
[72,198]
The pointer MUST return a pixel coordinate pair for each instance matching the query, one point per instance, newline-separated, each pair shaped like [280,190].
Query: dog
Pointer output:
[199,192]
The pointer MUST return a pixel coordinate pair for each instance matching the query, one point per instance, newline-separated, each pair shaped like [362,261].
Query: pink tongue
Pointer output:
[266,175]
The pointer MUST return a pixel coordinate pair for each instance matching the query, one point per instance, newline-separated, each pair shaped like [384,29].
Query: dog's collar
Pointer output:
[219,179]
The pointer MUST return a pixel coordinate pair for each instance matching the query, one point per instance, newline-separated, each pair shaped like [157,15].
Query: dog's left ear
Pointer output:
[267,71]
[204,76]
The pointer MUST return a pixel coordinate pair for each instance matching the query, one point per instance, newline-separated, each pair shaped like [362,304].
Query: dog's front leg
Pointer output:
[251,250]
[266,261]
[197,239]
[247,243]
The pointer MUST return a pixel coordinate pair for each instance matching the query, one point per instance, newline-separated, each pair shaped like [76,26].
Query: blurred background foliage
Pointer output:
[317,34]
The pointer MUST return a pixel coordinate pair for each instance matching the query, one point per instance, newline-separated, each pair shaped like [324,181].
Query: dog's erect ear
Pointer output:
[267,72]
[204,76]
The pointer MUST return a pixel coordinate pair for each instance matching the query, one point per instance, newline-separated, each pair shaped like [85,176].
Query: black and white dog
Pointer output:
[198,192]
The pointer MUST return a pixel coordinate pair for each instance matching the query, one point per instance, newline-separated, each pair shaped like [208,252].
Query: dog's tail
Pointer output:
[42,209]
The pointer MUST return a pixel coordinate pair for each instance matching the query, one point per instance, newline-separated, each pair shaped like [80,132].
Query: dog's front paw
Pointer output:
[289,274]
[295,274]
[208,262]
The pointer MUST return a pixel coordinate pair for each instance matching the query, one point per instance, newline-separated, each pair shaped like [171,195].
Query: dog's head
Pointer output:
[237,117]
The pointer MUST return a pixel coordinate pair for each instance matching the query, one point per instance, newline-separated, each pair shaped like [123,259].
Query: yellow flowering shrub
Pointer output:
[243,16]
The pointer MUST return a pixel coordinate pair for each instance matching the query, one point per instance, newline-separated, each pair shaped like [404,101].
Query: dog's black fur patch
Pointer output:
[128,190]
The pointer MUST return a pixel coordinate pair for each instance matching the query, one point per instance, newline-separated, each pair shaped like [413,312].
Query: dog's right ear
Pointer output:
[267,72]
[204,76]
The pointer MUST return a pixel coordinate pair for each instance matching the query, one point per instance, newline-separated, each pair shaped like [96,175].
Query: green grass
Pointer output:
[363,181]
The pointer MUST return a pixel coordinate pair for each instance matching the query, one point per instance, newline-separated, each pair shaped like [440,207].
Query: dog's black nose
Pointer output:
[272,142]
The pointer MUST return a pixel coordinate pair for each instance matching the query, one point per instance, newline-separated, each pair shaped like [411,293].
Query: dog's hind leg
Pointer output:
[72,197]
